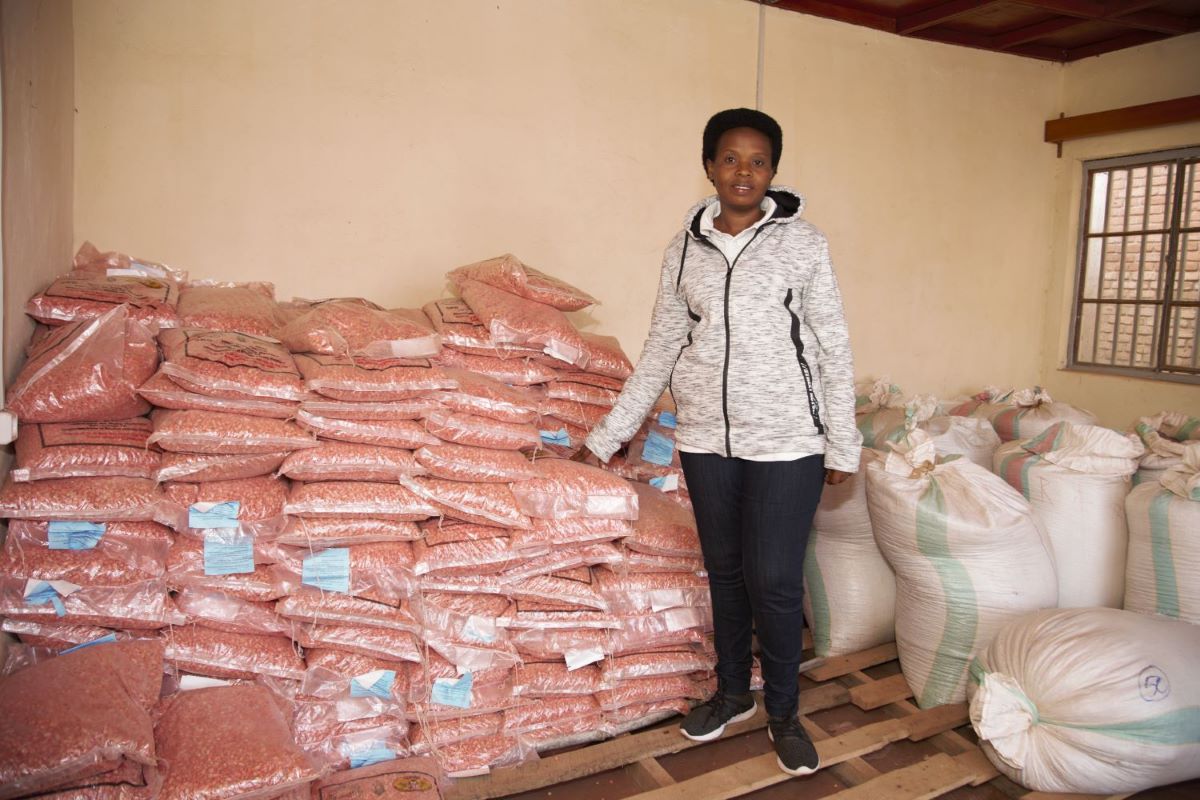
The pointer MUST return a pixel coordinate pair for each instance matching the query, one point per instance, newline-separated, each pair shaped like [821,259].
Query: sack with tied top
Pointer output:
[968,557]
[1165,436]
[1028,412]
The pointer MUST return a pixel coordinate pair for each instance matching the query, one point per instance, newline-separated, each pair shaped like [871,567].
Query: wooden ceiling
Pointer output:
[1053,30]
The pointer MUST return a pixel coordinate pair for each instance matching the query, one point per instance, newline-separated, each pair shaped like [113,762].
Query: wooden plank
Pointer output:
[838,666]
[619,752]
[975,763]
[876,693]
[1028,33]
[938,719]
[1058,796]
[851,772]
[930,17]
[840,12]
[1120,120]
[649,774]
[932,777]
[759,772]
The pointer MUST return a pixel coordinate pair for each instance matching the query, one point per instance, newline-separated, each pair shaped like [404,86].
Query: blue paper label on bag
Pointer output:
[658,449]
[667,419]
[558,437]
[665,483]
[328,570]
[106,639]
[214,515]
[451,692]
[373,684]
[367,753]
[40,593]
[226,554]
[74,535]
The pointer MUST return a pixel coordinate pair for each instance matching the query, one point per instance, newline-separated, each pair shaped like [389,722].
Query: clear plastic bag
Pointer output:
[88,371]
[447,531]
[566,489]
[339,609]
[383,572]
[87,295]
[213,433]
[260,498]
[430,735]
[459,328]
[349,461]
[604,356]
[358,499]
[663,527]
[636,561]
[562,558]
[262,583]
[675,627]
[202,467]
[480,503]
[510,318]
[57,636]
[334,674]
[31,551]
[374,380]
[229,364]
[487,397]
[242,307]
[224,654]
[84,450]
[350,746]
[382,643]
[401,433]
[477,431]
[507,272]
[87,499]
[351,325]
[635,593]
[514,370]
[460,462]
[413,408]
[559,592]
[577,414]
[639,715]
[137,606]
[650,690]
[473,557]
[92,709]
[553,712]
[224,612]
[228,741]
[574,531]
[166,393]
[579,646]
[89,259]
[658,664]
[573,386]
[317,533]
[466,617]
[555,678]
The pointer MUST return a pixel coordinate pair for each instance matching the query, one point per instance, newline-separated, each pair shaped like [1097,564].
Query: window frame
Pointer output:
[1171,237]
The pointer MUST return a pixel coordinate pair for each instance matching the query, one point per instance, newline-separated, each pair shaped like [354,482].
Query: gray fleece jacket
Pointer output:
[756,353]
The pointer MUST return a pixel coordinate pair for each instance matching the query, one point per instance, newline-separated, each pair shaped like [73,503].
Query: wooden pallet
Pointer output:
[957,761]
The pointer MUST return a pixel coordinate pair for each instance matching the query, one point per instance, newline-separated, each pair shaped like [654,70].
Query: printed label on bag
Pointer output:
[214,515]
[678,619]
[450,692]
[658,449]
[228,554]
[74,535]
[667,419]
[582,657]
[132,433]
[559,437]
[364,754]
[479,629]
[136,290]
[106,639]
[239,350]
[666,483]
[328,570]
[377,683]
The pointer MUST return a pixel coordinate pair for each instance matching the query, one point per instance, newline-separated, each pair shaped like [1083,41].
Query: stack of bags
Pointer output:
[359,508]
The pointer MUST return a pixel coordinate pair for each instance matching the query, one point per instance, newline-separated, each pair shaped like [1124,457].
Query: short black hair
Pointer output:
[732,118]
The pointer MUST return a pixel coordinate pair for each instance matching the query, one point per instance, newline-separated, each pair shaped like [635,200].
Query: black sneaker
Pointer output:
[795,751]
[707,721]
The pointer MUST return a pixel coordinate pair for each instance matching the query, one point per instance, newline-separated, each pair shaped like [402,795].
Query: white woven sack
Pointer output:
[1163,570]
[968,558]
[972,438]
[849,589]
[1076,478]
[1165,435]
[1091,700]
[1028,412]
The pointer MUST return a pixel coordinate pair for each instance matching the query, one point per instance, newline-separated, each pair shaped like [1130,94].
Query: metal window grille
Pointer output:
[1137,289]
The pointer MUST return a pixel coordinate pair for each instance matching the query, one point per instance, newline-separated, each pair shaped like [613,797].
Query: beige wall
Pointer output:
[1145,74]
[38,88]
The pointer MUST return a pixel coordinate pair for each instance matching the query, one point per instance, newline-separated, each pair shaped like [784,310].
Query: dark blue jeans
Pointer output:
[754,518]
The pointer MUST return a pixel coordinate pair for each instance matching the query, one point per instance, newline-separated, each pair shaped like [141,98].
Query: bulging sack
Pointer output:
[1028,412]
[476,431]
[354,326]
[565,489]
[85,450]
[401,433]
[973,438]
[509,369]
[348,461]
[88,371]
[968,557]
[1163,571]
[487,397]
[511,318]
[84,499]
[358,499]
[214,433]
[1090,700]
[1165,436]
[459,462]
[163,392]
[357,378]
[242,307]
[460,329]
[507,272]
[87,295]
[229,364]
[1076,477]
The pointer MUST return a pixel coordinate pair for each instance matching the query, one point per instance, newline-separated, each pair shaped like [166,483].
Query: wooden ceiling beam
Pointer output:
[1130,39]
[1018,36]
[1120,120]
[1044,52]
[834,11]
[1129,14]
[1157,21]
[931,17]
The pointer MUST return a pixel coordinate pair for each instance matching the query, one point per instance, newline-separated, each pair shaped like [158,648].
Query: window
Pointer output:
[1137,291]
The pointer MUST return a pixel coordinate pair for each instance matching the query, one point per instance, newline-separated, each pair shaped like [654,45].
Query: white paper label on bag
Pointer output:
[678,619]
[479,629]
[377,683]
[228,554]
[665,483]
[662,599]
[189,683]
[63,535]
[214,515]
[328,570]
[451,692]
[582,657]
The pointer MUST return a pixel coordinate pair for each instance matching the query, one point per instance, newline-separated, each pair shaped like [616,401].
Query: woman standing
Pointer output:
[748,334]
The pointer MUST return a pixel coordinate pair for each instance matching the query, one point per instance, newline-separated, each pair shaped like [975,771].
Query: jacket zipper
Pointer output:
[813,408]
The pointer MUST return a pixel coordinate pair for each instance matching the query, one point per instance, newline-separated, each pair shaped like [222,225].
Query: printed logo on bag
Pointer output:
[1153,684]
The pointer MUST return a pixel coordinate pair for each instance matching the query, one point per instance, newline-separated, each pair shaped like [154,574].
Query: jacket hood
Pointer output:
[789,205]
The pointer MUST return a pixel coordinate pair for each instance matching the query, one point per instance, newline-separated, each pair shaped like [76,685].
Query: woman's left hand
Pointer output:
[835,476]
